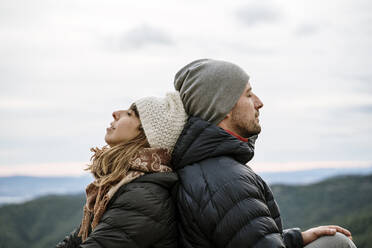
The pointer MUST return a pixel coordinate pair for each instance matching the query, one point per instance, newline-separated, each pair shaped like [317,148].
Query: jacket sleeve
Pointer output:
[70,241]
[293,238]
[235,215]
[137,218]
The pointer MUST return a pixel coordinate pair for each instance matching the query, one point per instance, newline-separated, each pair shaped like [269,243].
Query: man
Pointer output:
[221,201]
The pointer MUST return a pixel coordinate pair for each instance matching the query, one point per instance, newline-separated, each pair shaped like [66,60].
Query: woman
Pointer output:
[129,203]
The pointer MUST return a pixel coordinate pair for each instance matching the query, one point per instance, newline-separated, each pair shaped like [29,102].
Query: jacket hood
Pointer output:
[201,140]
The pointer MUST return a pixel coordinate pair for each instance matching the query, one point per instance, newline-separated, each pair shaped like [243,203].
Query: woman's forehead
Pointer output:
[132,106]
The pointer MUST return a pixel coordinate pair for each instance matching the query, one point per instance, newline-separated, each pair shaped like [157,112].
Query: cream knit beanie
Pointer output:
[162,119]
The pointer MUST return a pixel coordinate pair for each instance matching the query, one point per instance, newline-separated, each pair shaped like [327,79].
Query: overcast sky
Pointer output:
[66,65]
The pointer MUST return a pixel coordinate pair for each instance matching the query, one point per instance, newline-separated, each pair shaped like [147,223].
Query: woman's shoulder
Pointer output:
[165,180]
[146,197]
[146,190]
[143,211]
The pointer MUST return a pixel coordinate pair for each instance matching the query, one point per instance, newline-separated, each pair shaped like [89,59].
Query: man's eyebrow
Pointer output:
[249,89]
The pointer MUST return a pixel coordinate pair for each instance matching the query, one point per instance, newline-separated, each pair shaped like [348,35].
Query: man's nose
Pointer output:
[258,103]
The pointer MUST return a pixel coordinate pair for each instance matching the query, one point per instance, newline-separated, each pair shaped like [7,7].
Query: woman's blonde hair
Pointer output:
[110,164]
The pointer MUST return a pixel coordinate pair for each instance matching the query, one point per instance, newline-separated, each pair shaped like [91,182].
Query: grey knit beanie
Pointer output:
[162,119]
[210,88]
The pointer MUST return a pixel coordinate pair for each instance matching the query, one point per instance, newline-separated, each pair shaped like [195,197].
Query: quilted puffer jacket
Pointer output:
[140,214]
[221,202]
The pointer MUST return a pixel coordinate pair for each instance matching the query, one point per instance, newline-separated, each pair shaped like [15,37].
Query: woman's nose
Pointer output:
[115,115]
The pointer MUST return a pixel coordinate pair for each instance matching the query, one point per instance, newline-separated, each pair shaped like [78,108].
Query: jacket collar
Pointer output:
[201,140]
[237,136]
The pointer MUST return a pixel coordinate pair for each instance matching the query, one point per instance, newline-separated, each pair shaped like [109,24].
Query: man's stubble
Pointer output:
[243,124]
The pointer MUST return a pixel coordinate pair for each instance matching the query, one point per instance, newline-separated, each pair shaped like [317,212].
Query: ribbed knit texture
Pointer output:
[210,88]
[162,119]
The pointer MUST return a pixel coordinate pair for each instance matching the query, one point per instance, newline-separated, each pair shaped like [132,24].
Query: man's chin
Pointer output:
[256,131]
[251,133]
[247,132]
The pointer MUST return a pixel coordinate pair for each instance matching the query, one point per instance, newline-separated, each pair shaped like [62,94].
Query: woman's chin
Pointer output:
[107,140]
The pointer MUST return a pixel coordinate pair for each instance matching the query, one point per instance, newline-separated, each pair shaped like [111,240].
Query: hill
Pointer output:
[345,201]
[41,222]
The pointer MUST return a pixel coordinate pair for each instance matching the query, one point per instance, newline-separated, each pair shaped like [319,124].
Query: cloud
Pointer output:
[306,29]
[358,80]
[366,109]
[45,169]
[65,67]
[364,79]
[252,15]
[142,36]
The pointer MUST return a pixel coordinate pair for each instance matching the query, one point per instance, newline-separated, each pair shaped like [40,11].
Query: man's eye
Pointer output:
[129,113]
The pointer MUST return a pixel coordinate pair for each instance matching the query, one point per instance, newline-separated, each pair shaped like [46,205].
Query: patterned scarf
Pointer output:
[147,160]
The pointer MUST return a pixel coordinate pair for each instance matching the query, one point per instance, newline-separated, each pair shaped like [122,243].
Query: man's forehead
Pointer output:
[248,87]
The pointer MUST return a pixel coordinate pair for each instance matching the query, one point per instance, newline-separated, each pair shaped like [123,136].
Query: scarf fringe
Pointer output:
[84,228]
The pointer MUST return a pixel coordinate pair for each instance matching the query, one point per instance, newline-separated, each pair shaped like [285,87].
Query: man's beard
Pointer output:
[247,131]
[245,128]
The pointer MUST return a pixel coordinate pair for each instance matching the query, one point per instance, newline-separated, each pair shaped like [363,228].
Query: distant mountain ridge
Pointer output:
[22,188]
[19,189]
[342,200]
[312,175]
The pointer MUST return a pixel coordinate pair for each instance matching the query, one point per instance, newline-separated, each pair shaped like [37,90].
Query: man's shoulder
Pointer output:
[218,174]
[216,167]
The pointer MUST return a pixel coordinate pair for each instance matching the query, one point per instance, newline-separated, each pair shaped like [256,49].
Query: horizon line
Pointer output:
[76,169]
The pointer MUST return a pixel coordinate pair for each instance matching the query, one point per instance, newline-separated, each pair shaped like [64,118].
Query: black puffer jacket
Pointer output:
[221,201]
[140,214]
